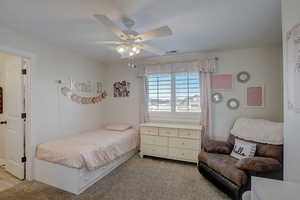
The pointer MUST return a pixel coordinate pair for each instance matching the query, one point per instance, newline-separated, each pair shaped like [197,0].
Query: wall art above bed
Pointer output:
[121,89]
[84,92]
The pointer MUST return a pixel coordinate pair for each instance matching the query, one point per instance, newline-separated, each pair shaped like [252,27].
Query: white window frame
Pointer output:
[173,116]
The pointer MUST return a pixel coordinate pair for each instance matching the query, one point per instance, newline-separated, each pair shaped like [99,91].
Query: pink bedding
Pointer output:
[90,150]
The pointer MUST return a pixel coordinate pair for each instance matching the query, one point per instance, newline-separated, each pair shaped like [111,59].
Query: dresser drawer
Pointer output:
[185,154]
[156,140]
[184,143]
[149,130]
[154,150]
[189,133]
[172,132]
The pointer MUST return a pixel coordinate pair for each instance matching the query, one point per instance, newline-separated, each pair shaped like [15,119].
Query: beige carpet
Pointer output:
[6,180]
[137,179]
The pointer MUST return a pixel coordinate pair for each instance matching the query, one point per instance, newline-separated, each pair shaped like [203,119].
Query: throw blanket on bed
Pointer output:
[90,150]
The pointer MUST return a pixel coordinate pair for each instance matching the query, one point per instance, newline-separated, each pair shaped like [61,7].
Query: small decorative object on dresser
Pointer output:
[171,141]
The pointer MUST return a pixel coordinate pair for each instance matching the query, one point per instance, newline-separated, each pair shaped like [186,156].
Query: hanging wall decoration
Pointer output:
[293,68]
[254,96]
[121,89]
[87,92]
[243,77]
[222,82]
[217,97]
[233,104]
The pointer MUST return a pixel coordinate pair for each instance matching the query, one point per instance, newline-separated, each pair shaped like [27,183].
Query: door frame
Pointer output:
[29,147]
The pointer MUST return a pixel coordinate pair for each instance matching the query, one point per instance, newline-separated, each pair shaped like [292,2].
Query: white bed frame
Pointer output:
[75,180]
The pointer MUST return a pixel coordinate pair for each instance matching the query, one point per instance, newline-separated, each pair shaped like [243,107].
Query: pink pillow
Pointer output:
[118,127]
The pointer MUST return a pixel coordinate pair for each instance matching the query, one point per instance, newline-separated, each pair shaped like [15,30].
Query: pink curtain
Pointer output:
[143,99]
[206,68]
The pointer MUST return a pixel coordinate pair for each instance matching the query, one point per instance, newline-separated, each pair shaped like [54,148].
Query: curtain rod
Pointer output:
[171,62]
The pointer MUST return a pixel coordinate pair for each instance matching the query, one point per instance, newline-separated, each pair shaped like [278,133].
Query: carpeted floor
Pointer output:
[137,179]
[7,180]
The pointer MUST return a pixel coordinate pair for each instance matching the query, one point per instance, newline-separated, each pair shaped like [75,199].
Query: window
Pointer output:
[173,93]
[159,88]
[187,92]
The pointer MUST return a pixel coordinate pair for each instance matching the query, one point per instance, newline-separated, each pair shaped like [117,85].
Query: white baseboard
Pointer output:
[2,161]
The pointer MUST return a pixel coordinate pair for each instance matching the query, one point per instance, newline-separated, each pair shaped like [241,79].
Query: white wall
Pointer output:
[263,64]
[290,17]
[52,115]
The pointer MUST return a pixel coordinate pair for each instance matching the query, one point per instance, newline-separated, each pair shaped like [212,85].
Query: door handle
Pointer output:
[3,122]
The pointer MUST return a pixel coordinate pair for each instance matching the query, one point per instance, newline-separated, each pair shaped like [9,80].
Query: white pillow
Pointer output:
[243,149]
[118,127]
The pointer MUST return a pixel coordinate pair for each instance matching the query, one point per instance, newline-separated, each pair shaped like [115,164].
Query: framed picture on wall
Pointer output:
[255,96]
[222,82]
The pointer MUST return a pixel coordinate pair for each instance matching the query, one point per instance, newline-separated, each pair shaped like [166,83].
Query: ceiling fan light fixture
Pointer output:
[134,49]
[131,53]
[121,49]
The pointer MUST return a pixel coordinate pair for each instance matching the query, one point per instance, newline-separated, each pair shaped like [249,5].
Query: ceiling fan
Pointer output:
[131,42]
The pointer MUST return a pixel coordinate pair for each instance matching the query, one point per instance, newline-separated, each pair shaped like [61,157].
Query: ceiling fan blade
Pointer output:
[111,26]
[110,42]
[152,49]
[159,32]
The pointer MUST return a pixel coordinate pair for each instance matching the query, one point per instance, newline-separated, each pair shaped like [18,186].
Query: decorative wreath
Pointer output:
[83,100]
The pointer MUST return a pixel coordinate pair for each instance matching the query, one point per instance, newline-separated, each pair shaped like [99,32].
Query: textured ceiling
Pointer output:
[198,25]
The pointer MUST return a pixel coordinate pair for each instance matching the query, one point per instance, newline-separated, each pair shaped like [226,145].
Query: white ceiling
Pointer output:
[198,25]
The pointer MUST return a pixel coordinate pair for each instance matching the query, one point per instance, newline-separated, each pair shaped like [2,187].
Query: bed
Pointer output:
[73,164]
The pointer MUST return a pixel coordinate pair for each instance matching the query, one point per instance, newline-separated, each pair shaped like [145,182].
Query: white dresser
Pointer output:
[170,140]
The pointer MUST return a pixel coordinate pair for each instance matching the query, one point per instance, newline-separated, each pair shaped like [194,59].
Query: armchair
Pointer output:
[233,176]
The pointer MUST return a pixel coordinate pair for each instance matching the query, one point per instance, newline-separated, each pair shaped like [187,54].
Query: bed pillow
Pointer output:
[243,149]
[118,127]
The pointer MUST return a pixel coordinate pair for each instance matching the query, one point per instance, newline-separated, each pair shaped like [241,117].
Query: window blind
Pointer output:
[159,92]
[187,92]
[173,92]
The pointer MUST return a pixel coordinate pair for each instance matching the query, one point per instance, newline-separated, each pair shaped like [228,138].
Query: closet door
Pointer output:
[14,107]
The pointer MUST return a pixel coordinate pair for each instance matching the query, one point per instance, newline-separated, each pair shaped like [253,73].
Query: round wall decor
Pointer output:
[217,97]
[233,104]
[243,77]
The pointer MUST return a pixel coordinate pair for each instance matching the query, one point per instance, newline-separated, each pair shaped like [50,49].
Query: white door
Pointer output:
[14,107]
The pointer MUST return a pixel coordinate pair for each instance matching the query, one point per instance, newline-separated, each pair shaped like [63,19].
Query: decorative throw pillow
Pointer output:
[243,149]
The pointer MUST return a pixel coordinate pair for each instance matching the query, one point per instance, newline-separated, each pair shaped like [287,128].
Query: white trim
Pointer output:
[263,96]
[29,150]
